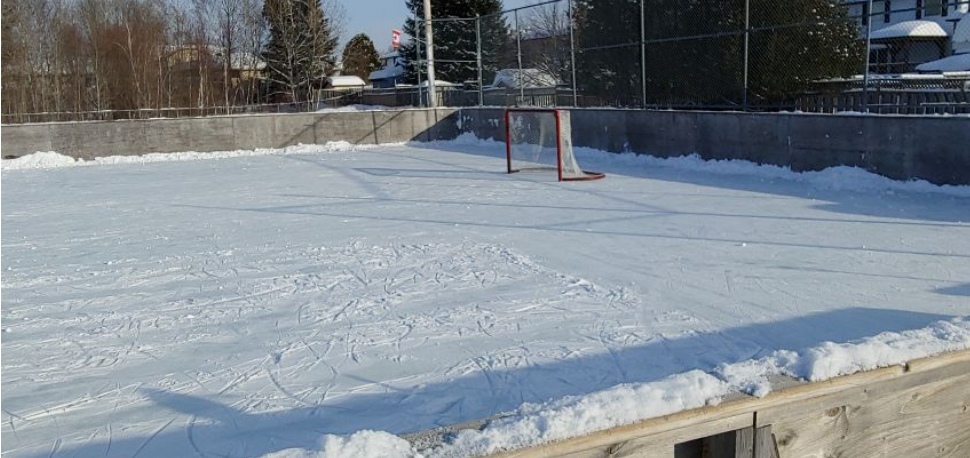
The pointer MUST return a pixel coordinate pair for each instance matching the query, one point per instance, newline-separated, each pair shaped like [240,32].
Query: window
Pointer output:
[919,9]
[934,7]
[865,13]
[887,13]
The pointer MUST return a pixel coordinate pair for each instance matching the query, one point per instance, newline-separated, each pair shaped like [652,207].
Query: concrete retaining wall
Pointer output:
[932,148]
[88,140]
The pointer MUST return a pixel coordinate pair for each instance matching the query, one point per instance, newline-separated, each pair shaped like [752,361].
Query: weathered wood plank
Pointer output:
[764,443]
[928,421]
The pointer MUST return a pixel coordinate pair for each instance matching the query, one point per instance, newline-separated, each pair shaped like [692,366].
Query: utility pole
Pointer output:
[429,42]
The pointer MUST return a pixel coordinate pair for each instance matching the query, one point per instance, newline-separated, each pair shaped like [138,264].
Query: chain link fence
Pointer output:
[823,56]
[753,55]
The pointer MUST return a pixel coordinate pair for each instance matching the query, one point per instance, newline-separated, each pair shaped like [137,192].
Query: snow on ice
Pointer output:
[319,300]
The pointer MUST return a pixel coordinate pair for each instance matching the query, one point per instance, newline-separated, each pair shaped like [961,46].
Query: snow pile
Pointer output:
[840,178]
[363,444]
[831,360]
[39,160]
[575,416]
[579,415]
[50,159]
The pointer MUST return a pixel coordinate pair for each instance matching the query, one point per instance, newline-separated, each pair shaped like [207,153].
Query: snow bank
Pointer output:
[841,178]
[579,415]
[575,416]
[50,159]
[831,360]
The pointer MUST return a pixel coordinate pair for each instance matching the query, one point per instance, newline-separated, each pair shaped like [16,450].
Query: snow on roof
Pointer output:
[387,73]
[957,63]
[440,83]
[910,29]
[346,81]
[527,77]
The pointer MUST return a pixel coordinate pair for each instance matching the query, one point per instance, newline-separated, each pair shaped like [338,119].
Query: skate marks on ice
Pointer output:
[232,346]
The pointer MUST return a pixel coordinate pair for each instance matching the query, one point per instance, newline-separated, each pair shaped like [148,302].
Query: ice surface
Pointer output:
[260,303]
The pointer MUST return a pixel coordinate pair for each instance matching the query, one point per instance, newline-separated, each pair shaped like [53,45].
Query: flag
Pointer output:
[395,39]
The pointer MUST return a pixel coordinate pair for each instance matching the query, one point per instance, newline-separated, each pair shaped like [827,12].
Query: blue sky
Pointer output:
[377,18]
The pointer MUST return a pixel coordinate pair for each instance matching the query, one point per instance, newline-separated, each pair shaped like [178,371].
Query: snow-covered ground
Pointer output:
[257,303]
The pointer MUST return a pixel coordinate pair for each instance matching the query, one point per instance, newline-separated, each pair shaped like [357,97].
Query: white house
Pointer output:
[909,33]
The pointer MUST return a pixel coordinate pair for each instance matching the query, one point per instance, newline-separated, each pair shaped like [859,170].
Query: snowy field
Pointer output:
[253,304]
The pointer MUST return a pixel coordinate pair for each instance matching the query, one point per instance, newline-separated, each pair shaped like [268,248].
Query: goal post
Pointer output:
[541,140]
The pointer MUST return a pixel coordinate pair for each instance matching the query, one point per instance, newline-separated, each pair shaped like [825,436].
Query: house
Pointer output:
[391,73]
[909,33]
[242,65]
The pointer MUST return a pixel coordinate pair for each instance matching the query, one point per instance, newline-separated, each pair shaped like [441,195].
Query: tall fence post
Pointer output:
[478,40]
[643,56]
[520,79]
[572,51]
[865,73]
[417,50]
[747,51]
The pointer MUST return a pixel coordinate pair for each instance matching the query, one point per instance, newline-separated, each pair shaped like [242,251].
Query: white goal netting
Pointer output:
[536,143]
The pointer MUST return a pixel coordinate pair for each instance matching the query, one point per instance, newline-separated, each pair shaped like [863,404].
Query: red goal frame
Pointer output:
[589,176]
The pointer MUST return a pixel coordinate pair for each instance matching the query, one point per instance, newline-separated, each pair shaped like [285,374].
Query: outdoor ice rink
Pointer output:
[241,306]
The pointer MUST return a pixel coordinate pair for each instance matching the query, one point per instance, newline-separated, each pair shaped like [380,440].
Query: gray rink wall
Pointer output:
[932,148]
[87,140]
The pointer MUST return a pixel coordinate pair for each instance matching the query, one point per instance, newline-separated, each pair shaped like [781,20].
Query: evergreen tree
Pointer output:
[456,40]
[360,57]
[300,53]
[695,50]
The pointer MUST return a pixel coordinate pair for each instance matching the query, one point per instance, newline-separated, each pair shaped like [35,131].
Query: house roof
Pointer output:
[527,77]
[956,63]
[346,81]
[910,29]
[387,73]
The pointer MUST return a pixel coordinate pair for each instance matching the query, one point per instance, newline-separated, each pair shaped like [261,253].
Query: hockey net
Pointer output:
[541,140]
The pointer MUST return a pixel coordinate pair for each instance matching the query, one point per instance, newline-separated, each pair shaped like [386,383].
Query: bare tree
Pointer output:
[228,13]
[546,36]
[83,55]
